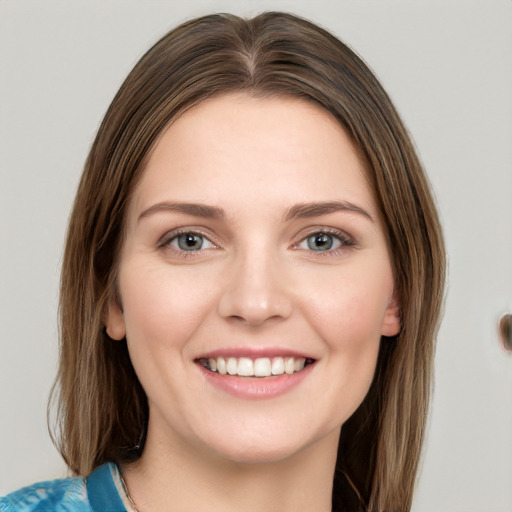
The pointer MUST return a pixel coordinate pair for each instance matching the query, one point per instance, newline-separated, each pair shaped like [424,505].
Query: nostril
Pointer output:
[237,319]
[254,320]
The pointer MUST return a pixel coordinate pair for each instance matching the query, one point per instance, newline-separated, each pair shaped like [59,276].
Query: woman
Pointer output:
[251,284]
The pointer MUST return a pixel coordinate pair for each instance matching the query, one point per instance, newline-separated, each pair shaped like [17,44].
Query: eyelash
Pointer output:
[345,241]
[168,238]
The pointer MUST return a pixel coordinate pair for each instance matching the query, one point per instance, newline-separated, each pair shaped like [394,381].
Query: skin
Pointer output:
[254,283]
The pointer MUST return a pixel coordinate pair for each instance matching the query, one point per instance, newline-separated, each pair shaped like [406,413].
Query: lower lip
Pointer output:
[256,388]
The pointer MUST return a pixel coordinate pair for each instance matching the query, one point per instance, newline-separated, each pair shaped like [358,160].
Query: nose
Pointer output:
[256,290]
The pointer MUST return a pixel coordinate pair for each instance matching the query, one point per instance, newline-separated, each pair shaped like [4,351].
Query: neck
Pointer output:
[178,479]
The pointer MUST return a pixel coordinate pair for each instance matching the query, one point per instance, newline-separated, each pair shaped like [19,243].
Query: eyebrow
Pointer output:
[307,210]
[197,210]
[299,211]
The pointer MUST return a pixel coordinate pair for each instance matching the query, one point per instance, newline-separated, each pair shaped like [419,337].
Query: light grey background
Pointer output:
[448,66]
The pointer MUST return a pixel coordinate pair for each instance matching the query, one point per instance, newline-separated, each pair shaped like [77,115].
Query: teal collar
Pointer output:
[102,491]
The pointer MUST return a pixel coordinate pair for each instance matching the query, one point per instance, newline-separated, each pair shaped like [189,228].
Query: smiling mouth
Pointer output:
[257,367]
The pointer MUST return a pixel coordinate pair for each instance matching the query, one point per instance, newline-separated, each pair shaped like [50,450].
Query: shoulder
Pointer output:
[101,490]
[66,494]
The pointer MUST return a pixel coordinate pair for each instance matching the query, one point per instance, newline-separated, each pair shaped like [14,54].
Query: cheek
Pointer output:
[348,319]
[351,314]
[162,307]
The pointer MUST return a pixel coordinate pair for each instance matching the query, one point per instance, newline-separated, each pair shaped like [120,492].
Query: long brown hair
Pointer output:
[102,408]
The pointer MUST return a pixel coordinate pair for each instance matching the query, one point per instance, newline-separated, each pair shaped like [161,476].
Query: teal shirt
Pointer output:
[101,491]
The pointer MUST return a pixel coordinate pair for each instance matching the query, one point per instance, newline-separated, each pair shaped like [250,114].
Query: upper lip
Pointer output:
[253,353]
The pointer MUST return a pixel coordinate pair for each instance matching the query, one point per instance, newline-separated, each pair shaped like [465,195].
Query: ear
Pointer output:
[114,320]
[391,321]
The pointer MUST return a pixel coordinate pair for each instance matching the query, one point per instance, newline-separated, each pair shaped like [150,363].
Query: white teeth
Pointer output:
[245,367]
[289,365]
[221,366]
[232,366]
[262,367]
[299,364]
[259,367]
[278,366]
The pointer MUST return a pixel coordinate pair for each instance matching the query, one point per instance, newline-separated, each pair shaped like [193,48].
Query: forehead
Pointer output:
[238,146]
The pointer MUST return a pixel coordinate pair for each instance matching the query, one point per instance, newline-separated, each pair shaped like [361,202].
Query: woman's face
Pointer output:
[254,280]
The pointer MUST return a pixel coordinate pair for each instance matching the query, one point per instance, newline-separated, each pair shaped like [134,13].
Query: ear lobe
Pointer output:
[114,321]
[391,321]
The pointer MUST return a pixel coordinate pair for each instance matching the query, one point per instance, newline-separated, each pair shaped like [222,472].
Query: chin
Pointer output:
[268,446]
[259,455]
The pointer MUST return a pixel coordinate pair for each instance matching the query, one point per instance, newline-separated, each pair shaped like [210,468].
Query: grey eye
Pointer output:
[321,242]
[190,242]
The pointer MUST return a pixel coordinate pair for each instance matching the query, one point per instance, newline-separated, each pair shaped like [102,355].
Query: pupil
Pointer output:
[320,242]
[190,241]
